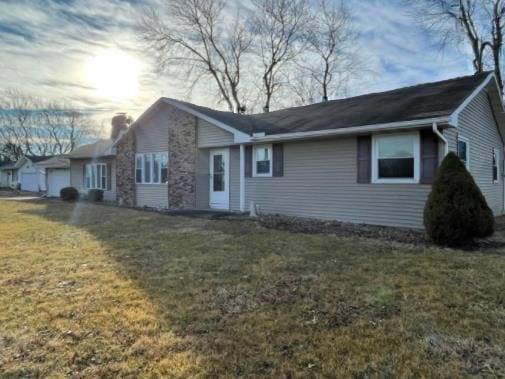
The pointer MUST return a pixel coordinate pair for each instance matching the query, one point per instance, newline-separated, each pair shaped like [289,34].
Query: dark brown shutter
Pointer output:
[84,175]
[278,157]
[248,161]
[429,156]
[109,177]
[364,159]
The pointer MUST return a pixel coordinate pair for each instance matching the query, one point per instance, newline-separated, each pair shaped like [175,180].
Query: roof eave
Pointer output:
[354,130]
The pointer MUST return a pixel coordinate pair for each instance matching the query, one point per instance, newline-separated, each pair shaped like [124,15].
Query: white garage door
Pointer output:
[56,180]
[30,181]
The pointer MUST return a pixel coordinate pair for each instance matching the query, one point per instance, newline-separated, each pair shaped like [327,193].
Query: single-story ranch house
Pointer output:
[366,159]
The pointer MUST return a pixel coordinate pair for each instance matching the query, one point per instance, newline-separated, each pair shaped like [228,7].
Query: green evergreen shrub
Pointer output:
[95,195]
[69,194]
[456,212]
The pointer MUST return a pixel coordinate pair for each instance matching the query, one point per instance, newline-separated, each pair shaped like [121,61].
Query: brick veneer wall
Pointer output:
[125,169]
[181,159]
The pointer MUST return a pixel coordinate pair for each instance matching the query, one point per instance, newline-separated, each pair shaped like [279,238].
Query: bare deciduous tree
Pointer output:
[30,126]
[279,26]
[479,22]
[192,35]
[332,43]
[65,127]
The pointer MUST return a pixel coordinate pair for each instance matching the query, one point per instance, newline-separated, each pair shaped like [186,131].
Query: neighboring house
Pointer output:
[93,166]
[24,174]
[57,174]
[9,173]
[5,173]
[366,159]
[30,177]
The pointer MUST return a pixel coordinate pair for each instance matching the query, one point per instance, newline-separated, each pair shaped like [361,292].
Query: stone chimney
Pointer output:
[119,123]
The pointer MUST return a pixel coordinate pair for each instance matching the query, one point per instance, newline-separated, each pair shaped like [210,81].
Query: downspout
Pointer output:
[434,127]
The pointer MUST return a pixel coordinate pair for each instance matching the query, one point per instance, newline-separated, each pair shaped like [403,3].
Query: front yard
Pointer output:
[97,291]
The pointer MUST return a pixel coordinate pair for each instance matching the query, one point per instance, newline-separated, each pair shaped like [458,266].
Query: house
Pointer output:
[57,174]
[24,174]
[30,177]
[366,159]
[5,173]
[93,166]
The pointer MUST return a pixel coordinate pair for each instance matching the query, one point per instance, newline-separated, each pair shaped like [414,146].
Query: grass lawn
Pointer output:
[97,291]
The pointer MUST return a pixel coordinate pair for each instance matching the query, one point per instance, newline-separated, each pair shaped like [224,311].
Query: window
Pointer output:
[496,168]
[396,158]
[147,168]
[463,152]
[262,160]
[96,176]
[164,168]
[151,168]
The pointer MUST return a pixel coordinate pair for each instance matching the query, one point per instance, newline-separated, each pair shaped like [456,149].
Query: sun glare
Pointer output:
[114,74]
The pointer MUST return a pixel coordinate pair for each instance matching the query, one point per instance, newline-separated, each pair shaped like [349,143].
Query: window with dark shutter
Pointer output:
[364,159]
[248,161]
[429,156]
[278,157]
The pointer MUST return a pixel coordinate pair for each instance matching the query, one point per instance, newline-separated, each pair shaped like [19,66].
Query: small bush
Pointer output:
[95,195]
[69,194]
[456,212]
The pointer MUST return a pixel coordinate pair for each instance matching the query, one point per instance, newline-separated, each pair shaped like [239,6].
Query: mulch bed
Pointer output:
[312,226]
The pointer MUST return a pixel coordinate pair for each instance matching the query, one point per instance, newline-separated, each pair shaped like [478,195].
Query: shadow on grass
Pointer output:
[250,301]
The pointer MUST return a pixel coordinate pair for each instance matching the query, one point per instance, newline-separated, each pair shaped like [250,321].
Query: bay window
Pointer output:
[96,176]
[396,158]
[262,165]
[151,168]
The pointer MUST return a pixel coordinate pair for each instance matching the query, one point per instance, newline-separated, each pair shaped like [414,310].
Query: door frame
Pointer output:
[226,156]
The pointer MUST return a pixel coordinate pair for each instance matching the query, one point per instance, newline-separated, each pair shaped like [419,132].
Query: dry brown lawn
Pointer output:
[97,291]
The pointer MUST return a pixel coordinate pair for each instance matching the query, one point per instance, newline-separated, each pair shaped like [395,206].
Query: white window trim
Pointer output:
[97,185]
[465,140]
[496,153]
[142,167]
[417,160]
[270,154]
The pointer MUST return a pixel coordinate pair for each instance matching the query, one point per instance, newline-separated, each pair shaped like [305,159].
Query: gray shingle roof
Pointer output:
[100,148]
[417,102]
[55,162]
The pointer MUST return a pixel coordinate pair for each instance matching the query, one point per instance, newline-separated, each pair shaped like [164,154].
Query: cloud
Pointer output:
[44,45]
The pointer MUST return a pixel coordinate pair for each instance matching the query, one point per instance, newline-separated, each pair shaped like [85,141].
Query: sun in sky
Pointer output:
[114,74]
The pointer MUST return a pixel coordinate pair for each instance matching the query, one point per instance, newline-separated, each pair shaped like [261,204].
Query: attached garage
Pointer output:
[57,174]
[57,178]
[30,181]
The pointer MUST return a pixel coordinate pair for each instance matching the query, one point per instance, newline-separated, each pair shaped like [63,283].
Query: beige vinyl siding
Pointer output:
[320,182]
[152,137]
[77,176]
[477,124]
[209,135]
[152,195]
[235,178]
[202,177]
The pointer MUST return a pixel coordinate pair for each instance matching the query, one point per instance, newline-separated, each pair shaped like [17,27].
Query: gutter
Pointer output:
[434,127]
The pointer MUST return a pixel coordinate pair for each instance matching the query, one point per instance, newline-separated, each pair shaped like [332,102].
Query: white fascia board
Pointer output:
[455,115]
[393,126]
[239,137]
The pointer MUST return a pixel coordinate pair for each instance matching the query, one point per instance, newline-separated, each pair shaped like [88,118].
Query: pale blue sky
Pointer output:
[45,44]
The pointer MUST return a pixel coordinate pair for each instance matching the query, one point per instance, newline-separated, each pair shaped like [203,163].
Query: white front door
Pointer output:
[219,164]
